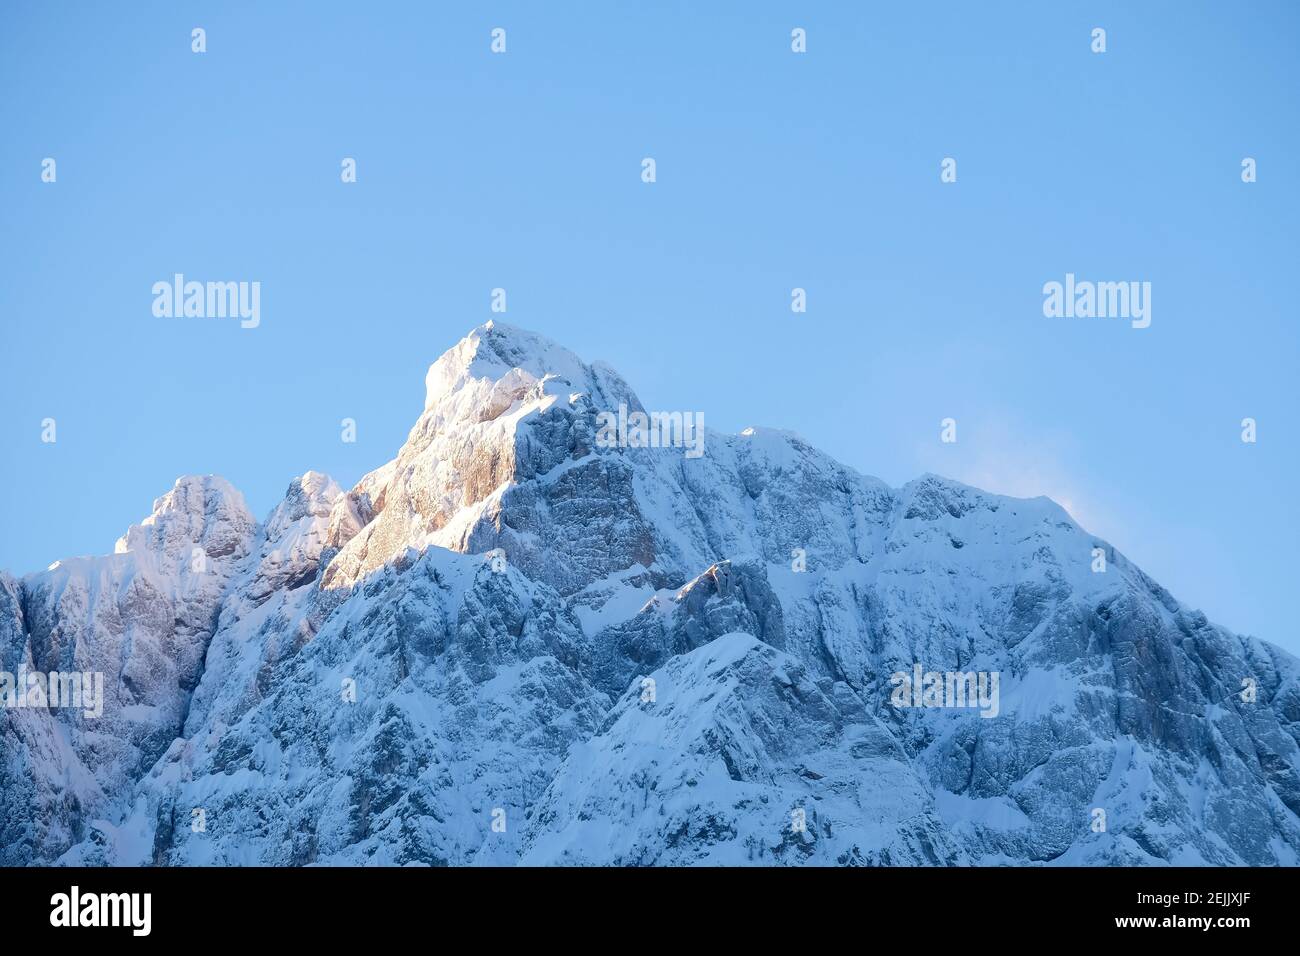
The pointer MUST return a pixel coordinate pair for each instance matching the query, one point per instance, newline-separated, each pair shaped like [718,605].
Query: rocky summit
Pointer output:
[518,644]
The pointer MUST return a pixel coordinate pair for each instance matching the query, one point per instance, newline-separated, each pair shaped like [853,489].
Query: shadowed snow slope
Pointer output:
[512,644]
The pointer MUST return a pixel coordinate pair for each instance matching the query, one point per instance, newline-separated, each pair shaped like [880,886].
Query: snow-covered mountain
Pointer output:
[513,644]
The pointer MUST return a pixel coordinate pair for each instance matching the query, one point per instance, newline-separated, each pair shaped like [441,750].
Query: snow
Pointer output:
[521,689]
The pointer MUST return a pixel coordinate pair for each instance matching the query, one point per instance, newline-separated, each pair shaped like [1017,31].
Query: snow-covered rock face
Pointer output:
[512,644]
[142,618]
[744,759]
[471,443]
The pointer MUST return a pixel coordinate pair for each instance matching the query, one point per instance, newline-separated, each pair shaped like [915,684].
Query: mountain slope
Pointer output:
[449,663]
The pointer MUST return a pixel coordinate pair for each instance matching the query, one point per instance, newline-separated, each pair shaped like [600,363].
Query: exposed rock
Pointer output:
[448,664]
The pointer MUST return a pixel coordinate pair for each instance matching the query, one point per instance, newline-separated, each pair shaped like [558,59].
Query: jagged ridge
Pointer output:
[514,694]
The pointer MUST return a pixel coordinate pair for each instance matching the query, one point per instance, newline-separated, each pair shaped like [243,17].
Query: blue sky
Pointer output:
[775,170]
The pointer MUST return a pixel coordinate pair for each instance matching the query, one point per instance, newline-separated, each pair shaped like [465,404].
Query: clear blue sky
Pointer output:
[775,170]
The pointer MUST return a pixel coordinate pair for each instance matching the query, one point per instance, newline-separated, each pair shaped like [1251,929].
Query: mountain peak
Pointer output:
[312,493]
[493,350]
[199,509]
